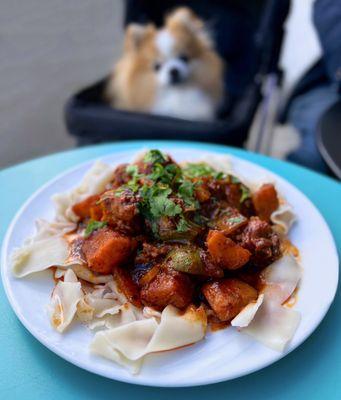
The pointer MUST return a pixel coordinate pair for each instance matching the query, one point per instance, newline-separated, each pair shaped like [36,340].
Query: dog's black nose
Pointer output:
[174,75]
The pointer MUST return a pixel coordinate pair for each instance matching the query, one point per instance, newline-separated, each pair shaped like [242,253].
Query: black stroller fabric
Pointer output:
[248,35]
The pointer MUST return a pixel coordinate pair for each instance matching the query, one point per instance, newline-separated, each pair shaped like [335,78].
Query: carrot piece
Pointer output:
[88,208]
[265,201]
[106,249]
[225,252]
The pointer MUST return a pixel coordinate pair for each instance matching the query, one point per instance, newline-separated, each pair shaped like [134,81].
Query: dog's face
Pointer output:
[181,47]
[177,56]
[173,55]
[173,63]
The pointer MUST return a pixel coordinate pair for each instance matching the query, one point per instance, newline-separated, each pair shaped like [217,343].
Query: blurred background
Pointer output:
[51,50]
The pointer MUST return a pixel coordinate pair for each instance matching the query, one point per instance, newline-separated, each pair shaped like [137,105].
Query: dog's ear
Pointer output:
[185,18]
[136,35]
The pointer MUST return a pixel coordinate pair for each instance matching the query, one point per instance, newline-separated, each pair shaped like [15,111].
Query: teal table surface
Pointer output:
[30,371]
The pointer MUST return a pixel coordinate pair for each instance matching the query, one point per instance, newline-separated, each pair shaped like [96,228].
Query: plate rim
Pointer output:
[173,146]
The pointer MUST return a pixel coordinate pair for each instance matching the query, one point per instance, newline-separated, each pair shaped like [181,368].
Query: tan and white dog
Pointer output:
[173,71]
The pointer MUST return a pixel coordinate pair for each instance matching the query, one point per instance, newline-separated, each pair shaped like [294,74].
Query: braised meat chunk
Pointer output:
[121,212]
[225,252]
[261,241]
[211,268]
[150,252]
[228,297]
[168,287]
[121,176]
[146,265]
[105,249]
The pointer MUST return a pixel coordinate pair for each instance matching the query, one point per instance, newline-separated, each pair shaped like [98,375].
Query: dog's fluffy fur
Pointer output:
[172,71]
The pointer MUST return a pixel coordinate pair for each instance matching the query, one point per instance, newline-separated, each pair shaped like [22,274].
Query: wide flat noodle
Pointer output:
[103,347]
[282,278]
[39,255]
[131,339]
[178,329]
[283,218]
[134,340]
[93,182]
[65,298]
[105,299]
[106,307]
[85,312]
[149,312]
[86,274]
[47,229]
[109,291]
[123,315]
[45,249]
[273,324]
[247,314]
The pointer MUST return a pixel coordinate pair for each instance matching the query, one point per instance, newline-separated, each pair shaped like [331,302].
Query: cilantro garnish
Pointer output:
[165,174]
[132,170]
[182,225]
[133,184]
[186,193]
[160,205]
[234,179]
[154,156]
[236,220]
[93,226]
[245,193]
[155,202]
[200,170]
[167,190]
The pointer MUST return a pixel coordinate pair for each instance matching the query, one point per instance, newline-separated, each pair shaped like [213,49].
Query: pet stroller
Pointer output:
[248,36]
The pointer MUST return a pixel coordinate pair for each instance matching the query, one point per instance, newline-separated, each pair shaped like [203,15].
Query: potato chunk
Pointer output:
[225,252]
[265,201]
[105,249]
[228,297]
[88,208]
[166,288]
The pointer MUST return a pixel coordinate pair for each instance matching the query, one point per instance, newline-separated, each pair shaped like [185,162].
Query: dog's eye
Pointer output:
[157,66]
[184,58]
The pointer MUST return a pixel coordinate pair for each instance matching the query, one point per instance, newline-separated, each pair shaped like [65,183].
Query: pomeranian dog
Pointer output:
[173,71]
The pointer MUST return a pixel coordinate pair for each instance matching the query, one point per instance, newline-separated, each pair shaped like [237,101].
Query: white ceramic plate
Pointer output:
[223,355]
